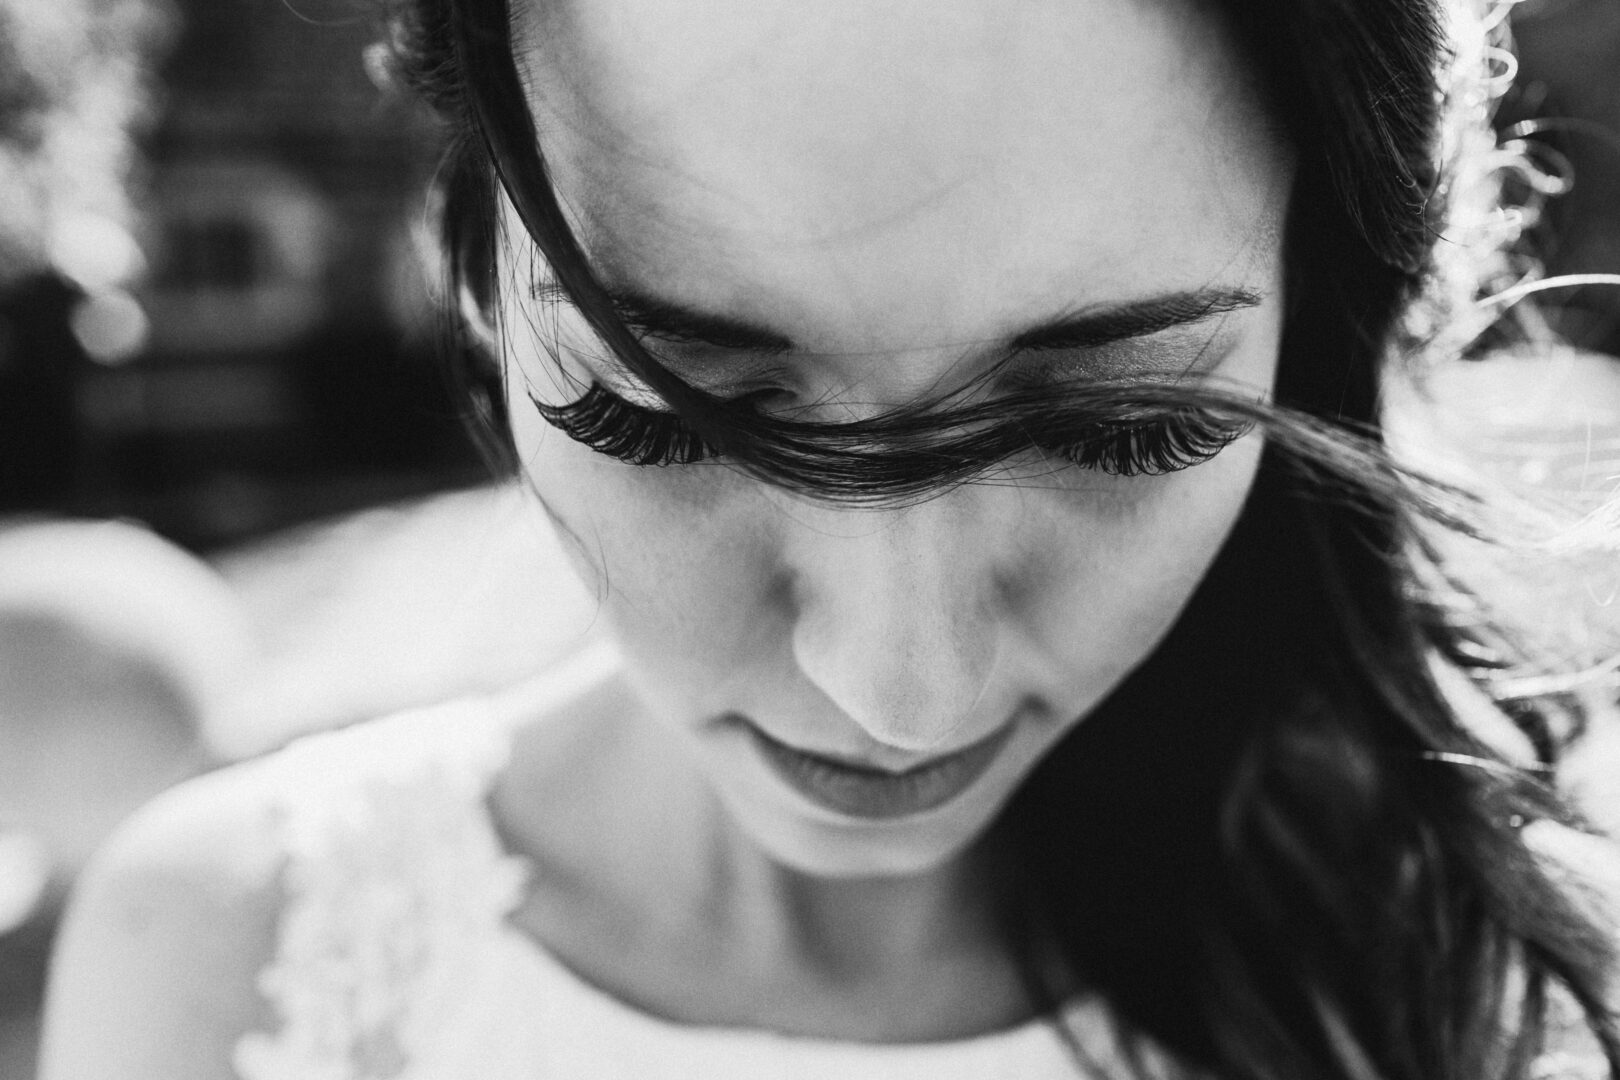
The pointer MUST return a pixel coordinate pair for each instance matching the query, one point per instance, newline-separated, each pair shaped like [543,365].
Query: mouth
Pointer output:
[862,791]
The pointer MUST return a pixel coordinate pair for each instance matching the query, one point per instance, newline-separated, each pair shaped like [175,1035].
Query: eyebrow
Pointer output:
[1086,328]
[667,320]
[1089,328]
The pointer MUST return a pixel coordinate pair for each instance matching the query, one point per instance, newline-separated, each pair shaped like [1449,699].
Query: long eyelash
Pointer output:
[608,424]
[1165,444]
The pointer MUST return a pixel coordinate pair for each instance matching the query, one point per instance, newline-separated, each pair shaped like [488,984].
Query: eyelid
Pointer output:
[643,397]
[636,436]
[746,377]
[1143,360]
[631,391]
[617,379]
[549,293]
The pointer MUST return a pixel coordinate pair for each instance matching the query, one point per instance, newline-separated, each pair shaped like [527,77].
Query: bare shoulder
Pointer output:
[155,968]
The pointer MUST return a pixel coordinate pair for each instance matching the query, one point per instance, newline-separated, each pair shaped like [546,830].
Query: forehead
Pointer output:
[870,173]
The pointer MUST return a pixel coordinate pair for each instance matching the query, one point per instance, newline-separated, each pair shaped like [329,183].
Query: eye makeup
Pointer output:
[1149,337]
[731,369]
[1180,353]
[1177,439]
[634,434]
[1157,341]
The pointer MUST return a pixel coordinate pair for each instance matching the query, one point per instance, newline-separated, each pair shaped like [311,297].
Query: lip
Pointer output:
[861,791]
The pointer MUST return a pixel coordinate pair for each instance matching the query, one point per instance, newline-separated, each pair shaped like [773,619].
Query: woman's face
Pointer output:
[848,205]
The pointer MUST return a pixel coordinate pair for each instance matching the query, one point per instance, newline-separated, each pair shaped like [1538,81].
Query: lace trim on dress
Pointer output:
[390,884]
[397,888]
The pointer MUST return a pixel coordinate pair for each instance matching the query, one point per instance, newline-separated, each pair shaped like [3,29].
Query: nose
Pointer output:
[897,619]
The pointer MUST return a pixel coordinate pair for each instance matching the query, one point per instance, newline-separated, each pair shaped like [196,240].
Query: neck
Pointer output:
[897,958]
[882,959]
[841,928]
[650,889]
[856,929]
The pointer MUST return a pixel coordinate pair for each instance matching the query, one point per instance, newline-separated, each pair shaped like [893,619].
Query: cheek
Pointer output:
[677,557]
[1119,564]
[686,565]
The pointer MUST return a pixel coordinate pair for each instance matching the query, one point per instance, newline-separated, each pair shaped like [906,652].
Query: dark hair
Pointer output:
[1275,852]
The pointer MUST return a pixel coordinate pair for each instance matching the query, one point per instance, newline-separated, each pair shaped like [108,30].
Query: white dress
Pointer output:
[396,960]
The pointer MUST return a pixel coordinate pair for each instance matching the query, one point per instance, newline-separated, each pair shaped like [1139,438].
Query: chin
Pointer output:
[859,849]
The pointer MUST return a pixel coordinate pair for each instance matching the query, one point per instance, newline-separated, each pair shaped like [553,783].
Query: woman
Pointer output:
[1002,686]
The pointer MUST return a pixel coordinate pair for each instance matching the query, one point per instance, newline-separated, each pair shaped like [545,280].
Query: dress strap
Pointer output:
[393,878]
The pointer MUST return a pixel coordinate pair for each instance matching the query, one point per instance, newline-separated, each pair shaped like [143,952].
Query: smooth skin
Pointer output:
[898,189]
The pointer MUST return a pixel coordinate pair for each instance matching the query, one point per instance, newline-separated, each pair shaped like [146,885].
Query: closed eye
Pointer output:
[1141,446]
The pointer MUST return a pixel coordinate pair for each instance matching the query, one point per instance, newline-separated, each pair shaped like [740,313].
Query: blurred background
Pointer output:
[245,340]
[237,500]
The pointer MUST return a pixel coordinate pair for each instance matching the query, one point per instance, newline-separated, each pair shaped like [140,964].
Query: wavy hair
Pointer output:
[1276,850]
